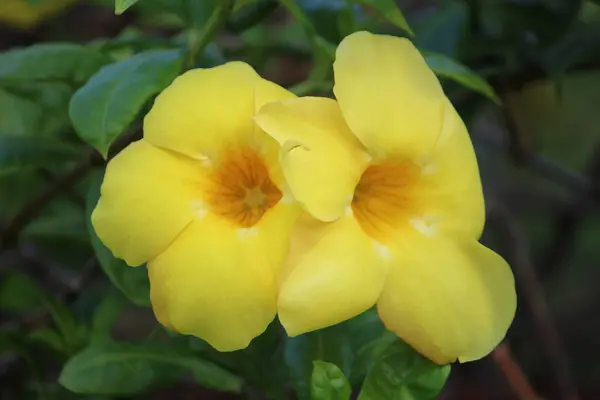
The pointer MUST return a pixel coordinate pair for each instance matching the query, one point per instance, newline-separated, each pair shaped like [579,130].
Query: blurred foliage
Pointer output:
[75,82]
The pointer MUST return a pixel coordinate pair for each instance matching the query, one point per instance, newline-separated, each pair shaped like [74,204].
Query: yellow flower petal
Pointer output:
[321,159]
[146,200]
[390,98]
[449,190]
[448,299]
[333,272]
[218,282]
[206,110]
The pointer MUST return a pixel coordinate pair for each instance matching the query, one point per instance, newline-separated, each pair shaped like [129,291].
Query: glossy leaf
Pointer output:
[50,61]
[122,5]
[400,373]
[328,383]
[364,333]
[448,68]
[133,282]
[109,102]
[127,368]
[389,10]
[330,345]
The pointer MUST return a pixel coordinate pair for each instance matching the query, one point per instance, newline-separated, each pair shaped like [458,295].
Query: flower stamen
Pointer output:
[241,189]
[383,199]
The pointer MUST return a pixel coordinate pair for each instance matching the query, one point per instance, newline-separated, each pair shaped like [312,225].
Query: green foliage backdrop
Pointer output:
[76,322]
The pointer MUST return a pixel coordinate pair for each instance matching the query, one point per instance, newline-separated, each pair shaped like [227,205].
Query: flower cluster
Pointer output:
[246,202]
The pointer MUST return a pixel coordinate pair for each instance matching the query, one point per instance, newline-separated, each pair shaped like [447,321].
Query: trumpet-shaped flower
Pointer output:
[200,199]
[390,179]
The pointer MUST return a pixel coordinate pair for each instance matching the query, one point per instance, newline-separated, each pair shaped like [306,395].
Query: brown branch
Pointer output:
[513,373]
[549,169]
[10,234]
[531,290]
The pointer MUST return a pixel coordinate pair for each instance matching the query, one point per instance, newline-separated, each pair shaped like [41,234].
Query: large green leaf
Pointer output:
[364,333]
[127,368]
[446,67]
[122,5]
[109,102]
[17,152]
[402,374]
[389,10]
[133,282]
[330,345]
[328,383]
[50,61]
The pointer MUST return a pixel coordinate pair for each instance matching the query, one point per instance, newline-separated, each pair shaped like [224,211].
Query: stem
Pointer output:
[199,39]
[309,87]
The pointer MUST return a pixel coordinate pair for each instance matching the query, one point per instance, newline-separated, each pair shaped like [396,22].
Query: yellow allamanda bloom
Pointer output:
[390,179]
[201,200]
[24,15]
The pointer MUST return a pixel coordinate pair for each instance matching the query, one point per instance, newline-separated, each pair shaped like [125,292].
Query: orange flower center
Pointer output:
[241,188]
[383,199]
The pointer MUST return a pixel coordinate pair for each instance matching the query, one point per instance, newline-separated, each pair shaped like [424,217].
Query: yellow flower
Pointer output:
[201,200]
[24,15]
[389,174]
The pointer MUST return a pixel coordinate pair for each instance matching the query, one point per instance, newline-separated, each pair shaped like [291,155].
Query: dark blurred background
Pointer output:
[538,148]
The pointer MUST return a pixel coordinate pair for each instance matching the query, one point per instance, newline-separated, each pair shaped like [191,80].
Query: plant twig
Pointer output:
[198,40]
[513,373]
[550,170]
[531,291]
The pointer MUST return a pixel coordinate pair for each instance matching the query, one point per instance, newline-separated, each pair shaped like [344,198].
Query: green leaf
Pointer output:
[192,13]
[127,368]
[328,383]
[448,68]
[443,29]
[109,102]
[18,292]
[389,10]
[106,315]
[18,116]
[363,332]
[122,5]
[48,337]
[330,345]
[402,374]
[17,152]
[132,281]
[50,61]
[74,335]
